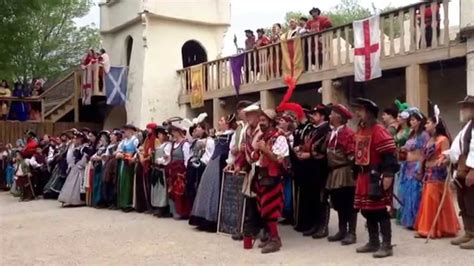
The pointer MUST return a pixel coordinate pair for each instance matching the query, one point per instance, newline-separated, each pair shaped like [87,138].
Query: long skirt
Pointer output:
[71,191]
[410,193]
[447,224]
[193,178]
[125,184]
[52,189]
[142,189]
[88,183]
[97,198]
[206,203]
[159,194]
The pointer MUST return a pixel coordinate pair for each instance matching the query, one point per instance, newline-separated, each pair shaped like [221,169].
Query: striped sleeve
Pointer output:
[383,140]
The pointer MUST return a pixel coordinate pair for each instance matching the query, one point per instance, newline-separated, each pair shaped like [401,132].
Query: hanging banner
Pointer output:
[292,64]
[197,86]
[236,64]
[367,49]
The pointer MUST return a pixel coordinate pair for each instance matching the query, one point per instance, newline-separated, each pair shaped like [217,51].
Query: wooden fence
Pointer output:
[10,132]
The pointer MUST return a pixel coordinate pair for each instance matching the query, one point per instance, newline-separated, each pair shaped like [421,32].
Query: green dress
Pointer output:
[126,173]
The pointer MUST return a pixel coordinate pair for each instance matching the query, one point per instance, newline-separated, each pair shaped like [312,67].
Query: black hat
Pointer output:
[321,109]
[369,105]
[249,31]
[314,9]
[30,133]
[242,104]
[230,118]
[86,130]
[81,134]
[260,30]
[161,129]
[129,126]
[467,100]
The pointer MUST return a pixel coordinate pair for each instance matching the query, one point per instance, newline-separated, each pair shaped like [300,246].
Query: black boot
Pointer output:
[311,231]
[351,236]
[374,241]
[323,230]
[341,234]
[386,248]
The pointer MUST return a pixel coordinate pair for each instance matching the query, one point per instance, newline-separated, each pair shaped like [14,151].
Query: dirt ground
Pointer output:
[42,233]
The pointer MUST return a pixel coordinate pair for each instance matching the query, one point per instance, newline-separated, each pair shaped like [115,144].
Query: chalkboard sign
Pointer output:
[232,204]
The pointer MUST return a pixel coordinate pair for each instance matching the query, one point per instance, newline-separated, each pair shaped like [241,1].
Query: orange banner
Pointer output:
[292,53]
[197,87]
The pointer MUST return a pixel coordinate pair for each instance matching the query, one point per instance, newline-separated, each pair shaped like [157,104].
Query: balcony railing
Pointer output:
[404,31]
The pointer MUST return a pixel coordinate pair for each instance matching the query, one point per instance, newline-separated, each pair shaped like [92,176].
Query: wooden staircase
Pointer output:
[62,98]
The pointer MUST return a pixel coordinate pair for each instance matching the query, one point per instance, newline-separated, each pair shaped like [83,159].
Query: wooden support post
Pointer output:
[217,110]
[332,94]
[77,88]
[267,100]
[416,80]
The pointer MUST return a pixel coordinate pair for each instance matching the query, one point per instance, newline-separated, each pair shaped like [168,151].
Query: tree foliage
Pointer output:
[40,38]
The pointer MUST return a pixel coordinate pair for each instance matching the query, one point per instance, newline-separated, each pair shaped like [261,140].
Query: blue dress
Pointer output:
[410,186]
[18,110]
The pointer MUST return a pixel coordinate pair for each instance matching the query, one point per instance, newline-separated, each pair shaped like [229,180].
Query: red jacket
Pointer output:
[30,149]
[319,24]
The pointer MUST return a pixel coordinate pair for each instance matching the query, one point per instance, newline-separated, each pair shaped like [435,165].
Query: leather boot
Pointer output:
[461,240]
[374,241]
[386,231]
[273,245]
[351,236]
[384,251]
[323,230]
[470,243]
[237,236]
[341,234]
[311,231]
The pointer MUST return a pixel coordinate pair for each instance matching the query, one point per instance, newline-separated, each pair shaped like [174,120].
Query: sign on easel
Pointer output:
[232,204]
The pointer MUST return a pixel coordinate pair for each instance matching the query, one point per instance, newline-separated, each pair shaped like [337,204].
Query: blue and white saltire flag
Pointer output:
[116,86]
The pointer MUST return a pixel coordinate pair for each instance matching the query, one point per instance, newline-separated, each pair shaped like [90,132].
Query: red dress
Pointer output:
[371,144]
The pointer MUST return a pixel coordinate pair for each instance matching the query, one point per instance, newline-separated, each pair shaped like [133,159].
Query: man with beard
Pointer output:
[245,162]
[340,183]
[312,203]
[376,165]
[462,153]
[270,152]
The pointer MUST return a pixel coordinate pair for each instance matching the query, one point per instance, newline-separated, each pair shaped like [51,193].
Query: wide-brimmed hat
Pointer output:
[314,9]
[161,129]
[467,100]
[270,113]
[243,104]
[368,104]
[179,124]
[342,110]
[249,31]
[80,134]
[254,107]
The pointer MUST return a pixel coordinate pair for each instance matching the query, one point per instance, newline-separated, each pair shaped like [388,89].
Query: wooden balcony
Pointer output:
[404,43]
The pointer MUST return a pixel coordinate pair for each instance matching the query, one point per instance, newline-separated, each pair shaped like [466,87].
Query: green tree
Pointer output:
[39,38]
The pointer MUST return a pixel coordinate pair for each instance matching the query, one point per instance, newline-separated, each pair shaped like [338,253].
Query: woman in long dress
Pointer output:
[142,199]
[411,169]
[71,191]
[201,152]
[109,176]
[161,158]
[98,163]
[60,167]
[206,206]
[435,185]
[126,168]
[400,137]
[176,172]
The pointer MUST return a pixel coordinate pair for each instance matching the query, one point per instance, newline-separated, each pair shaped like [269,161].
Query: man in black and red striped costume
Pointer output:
[376,165]
[271,150]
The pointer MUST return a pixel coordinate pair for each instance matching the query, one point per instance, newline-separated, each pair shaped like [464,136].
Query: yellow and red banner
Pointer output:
[197,86]
[292,64]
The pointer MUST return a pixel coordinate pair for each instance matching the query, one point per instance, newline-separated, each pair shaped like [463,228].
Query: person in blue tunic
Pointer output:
[18,110]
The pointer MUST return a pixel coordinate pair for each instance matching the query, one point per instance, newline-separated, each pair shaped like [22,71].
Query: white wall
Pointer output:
[120,12]
[161,85]
[115,45]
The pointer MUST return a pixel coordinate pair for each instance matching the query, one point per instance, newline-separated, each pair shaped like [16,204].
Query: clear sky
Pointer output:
[253,14]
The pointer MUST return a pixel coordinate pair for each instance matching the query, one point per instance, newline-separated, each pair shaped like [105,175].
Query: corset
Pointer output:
[222,145]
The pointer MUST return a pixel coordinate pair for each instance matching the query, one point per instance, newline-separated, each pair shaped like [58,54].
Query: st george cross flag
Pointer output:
[367,49]
[116,85]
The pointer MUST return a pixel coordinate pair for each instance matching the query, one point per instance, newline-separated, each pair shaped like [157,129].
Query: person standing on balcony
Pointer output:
[303,21]
[276,32]
[4,92]
[250,43]
[18,110]
[317,24]
[293,30]
[262,39]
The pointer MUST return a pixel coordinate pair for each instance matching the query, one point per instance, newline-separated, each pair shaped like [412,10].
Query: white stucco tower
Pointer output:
[155,38]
